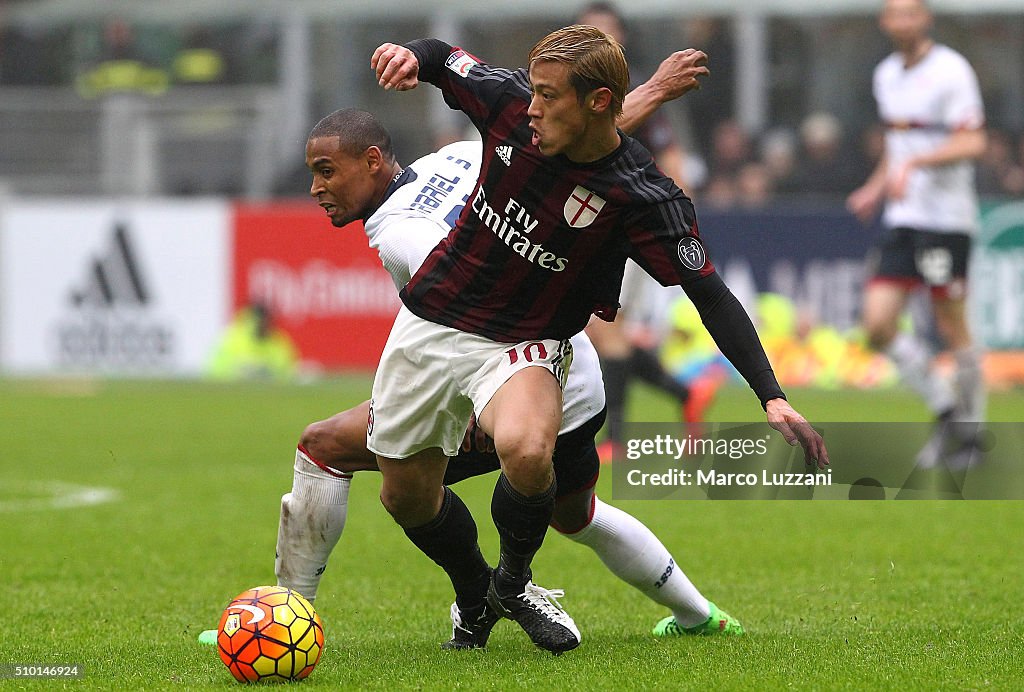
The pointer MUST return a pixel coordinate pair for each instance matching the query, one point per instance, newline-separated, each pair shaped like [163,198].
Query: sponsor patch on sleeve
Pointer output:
[460,62]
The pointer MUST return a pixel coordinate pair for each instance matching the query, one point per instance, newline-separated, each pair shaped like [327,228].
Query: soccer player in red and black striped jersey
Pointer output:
[563,198]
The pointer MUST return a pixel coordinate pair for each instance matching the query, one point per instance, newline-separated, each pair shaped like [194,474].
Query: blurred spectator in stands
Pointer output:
[200,60]
[253,348]
[754,186]
[777,150]
[122,66]
[720,192]
[824,168]
[712,104]
[751,187]
[731,147]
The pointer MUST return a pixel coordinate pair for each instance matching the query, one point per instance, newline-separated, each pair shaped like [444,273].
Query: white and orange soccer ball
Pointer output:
[270,633]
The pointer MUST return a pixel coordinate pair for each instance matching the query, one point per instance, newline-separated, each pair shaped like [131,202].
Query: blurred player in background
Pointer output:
[563,199]
[929,101]
[630,352]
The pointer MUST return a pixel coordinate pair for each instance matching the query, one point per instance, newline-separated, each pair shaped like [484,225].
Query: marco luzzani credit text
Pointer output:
[698,449]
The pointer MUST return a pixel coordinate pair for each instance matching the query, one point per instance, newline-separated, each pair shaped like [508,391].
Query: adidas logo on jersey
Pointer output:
[505,154]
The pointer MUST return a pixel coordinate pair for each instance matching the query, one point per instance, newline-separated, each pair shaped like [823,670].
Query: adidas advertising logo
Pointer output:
[505,154]
[108,324]
[114,278]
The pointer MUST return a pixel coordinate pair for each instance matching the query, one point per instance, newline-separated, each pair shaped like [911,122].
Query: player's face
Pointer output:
[342,184]
[905,21]
[558,119]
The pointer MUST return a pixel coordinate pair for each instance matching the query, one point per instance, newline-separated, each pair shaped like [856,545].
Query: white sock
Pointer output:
[635,555]
[913,360]
[312,519]
[969,385]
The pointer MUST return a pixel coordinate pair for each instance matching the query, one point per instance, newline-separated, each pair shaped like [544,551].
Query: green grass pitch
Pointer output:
[834,595]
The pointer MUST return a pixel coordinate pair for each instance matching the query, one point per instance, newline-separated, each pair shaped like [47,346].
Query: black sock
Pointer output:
[450,540]
[521,522]
[644,363]
[616,376]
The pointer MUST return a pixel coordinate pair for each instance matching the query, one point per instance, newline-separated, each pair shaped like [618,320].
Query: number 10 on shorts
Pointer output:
[556,356]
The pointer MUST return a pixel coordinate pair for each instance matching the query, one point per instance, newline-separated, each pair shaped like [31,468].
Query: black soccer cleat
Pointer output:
[538,612]
[471,627]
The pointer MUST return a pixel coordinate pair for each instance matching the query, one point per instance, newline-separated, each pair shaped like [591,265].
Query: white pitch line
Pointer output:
[53,495]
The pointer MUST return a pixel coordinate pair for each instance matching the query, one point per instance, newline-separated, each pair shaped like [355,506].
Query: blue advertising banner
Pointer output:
[815,257]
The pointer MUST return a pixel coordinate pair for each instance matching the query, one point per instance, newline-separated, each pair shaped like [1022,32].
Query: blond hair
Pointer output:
[594,59]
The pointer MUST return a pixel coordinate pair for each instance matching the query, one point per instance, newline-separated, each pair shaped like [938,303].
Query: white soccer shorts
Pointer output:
[431,378]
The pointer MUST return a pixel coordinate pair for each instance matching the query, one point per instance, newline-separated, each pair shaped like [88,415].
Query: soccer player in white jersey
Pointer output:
[419,205]
[929,100]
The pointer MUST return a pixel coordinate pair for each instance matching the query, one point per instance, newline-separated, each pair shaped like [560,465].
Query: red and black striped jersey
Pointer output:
[542,241]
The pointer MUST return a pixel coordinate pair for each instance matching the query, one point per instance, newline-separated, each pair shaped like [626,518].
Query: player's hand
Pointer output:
[896,186]
[679,73]
[796,429]
[864,203]
[476,438]
[396,67]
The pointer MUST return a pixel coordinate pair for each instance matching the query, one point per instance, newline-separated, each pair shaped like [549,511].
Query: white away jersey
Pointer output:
[420,213]
[921,106]
[417,215]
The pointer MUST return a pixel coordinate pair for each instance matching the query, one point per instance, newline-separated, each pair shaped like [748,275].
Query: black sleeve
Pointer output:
[733,332]
[431,54]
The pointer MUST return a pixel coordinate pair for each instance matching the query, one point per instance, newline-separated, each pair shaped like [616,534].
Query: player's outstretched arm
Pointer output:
[734,334]
[676,75]
[396,67]
[962,145]
[796,430]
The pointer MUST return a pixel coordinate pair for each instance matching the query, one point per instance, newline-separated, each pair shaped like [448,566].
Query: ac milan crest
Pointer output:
[582,207]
